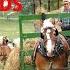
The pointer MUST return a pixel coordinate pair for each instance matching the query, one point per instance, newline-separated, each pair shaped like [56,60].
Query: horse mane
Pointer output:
[57,24]
[64,42]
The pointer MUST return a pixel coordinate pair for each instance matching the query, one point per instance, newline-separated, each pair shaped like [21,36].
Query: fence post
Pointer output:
[48,5]
[58,3]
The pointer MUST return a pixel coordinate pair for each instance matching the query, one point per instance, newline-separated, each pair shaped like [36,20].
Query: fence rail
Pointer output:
[36,17]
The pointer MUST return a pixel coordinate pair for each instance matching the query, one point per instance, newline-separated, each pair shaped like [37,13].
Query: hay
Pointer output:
[27,60]
[12,62]
[29,44]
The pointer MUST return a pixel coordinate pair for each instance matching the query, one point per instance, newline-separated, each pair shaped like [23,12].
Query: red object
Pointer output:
[7,7]
[18,6]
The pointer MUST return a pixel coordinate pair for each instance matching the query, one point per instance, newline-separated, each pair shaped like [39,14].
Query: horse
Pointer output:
[51,51]
[4,49]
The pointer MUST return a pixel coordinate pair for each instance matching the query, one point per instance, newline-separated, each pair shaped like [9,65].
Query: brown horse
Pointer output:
[4,50]
[51,51]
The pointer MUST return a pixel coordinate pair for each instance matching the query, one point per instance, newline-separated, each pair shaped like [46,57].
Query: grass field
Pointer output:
[10,28]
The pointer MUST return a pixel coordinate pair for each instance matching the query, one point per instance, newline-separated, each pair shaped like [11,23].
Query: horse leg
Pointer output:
[60,62]
[41,62]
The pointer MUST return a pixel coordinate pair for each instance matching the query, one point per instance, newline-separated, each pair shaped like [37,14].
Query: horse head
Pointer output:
[5,40]
[49,33]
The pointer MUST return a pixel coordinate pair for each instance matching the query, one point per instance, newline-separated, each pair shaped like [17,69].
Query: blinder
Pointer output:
[56,31]
[42,36]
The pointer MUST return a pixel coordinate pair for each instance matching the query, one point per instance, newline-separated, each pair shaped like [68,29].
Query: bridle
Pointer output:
[45,29]
[59,49]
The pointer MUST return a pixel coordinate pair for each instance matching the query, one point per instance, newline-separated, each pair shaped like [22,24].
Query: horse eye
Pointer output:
[45,29]
[55,34]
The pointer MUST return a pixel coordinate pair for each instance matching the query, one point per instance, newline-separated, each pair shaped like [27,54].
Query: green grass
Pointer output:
[28,26]
[10,28]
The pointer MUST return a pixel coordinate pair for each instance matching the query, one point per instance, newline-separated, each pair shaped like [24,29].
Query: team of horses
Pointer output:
[51,50]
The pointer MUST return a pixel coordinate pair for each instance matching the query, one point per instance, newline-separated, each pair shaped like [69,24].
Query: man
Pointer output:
[66,21]
[65,9]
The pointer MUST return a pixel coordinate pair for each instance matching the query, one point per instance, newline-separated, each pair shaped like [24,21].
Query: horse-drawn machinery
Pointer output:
[24,36]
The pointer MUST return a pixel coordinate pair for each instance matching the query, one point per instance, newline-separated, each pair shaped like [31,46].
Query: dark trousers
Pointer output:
[65,27]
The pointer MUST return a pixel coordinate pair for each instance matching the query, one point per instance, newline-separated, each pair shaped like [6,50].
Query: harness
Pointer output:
[58,50]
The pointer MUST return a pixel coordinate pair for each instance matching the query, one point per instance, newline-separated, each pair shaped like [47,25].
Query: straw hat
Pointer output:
[66,0]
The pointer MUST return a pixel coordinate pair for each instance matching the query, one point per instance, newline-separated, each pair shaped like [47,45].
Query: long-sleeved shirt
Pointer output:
[65,21]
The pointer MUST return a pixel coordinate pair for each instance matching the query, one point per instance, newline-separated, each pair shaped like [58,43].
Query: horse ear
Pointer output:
[56,32]
[53,21]
[6,41]
[42,36]
[43,16]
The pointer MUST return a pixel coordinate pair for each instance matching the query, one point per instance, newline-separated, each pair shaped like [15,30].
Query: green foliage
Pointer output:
[29,5]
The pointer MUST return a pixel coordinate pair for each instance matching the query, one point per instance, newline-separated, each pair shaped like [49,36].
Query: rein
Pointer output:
[59,48]
[40,48]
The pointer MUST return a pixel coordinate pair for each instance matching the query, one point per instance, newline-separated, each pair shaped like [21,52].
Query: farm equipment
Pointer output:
[24,36]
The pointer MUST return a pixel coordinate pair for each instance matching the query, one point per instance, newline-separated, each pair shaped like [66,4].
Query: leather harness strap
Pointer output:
[61,47]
